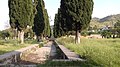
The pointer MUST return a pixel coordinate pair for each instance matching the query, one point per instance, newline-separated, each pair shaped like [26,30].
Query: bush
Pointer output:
[1,43]
[84,33]
[106,33]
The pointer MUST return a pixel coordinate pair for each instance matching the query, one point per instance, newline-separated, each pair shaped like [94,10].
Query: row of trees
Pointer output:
[73,15]
[13,34]
[29,13]
[113,32]
[41,21]
[106,31]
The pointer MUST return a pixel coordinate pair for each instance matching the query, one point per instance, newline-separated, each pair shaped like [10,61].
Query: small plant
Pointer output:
[41,44]
[1,43]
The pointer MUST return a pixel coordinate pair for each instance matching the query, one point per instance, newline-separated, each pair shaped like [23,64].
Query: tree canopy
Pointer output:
[41,21]
[73,15]
[77,13]
[20,13]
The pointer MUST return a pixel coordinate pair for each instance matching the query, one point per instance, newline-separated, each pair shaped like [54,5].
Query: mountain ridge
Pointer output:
[107,18]
[105,21]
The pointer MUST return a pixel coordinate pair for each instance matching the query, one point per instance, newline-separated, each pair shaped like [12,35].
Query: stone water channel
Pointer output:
[32,55]
[29,56]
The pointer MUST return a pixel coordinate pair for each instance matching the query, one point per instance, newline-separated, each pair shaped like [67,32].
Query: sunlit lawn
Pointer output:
[97,52]
[11,45]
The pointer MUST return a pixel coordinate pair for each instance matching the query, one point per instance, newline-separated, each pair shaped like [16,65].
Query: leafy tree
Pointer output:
[4,34]
[106,33]
[77,14]
[21,15]
[117,28]
[39,23]
[29,33]
[95,28]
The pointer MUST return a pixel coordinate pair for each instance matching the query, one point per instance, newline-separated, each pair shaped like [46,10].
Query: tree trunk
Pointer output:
[18,35]
[38,38]
[22,37]
[77,37]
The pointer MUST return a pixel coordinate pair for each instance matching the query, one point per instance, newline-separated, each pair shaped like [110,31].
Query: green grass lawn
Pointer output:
[11,45]
[65,64]
[97,52]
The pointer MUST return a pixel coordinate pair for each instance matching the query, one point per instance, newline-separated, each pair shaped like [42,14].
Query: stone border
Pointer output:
[71,56]
[15,56]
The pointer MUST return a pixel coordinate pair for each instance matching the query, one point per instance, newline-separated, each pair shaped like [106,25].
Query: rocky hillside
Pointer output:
[108,20]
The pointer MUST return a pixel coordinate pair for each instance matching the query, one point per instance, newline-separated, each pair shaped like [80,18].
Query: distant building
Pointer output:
[106,28]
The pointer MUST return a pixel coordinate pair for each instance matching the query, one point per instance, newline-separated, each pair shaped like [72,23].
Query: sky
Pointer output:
[101,9]
[4,13]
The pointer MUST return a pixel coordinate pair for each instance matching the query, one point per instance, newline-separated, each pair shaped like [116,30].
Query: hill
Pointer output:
[108,20]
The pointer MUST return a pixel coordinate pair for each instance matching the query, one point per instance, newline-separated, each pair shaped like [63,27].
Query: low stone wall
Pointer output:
[67,54]
[15,56]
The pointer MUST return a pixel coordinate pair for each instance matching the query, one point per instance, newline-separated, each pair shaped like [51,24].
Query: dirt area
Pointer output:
[39,56]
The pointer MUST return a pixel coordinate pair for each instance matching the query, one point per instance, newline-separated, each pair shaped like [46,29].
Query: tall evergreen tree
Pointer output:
[21,15]
[47,30]
[59,26]
[55,31]
[77,14]
[39,23]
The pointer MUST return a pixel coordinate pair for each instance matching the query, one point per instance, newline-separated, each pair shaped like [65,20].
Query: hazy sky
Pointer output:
[102,8]
[4,11]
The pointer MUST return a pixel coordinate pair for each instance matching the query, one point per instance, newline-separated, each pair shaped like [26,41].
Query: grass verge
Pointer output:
[11,45]
[97,52]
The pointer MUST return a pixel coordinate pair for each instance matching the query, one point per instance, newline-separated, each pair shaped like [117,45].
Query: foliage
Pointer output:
[106,33]
[47,30]
[101,52]
[77,13]
[84,33]
[73,15]
[41,20]
[39,23]
[29,34]
[117,28]
[20,13]
[4,34]
[59,26]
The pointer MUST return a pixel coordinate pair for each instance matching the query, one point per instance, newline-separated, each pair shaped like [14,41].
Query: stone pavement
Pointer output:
[40,55]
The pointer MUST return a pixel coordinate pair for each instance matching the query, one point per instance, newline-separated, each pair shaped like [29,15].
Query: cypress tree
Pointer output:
[77,14]
[21,15]
[47,30]
[55,31]
[58,25]
[39,23]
